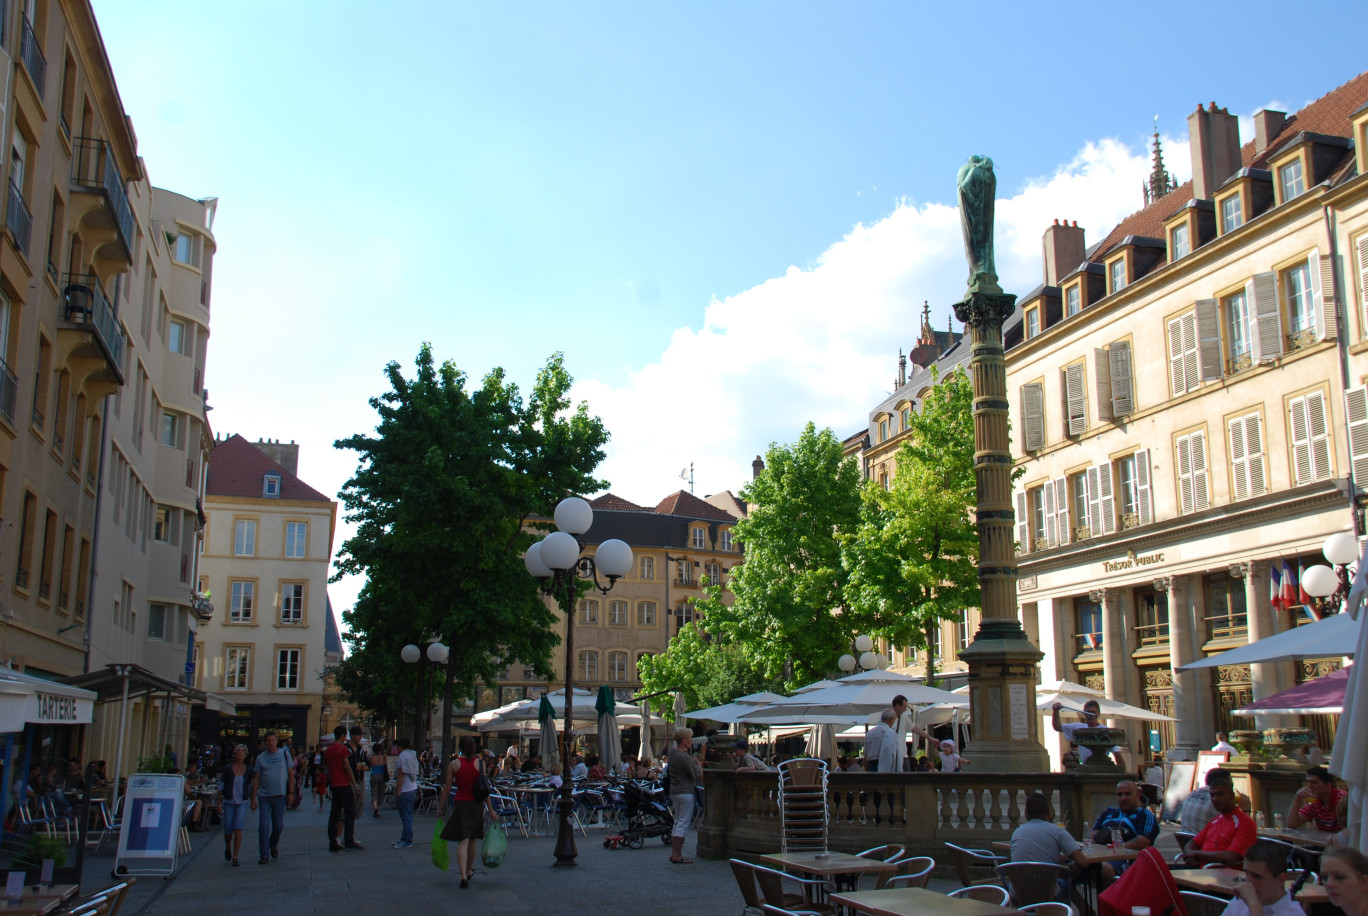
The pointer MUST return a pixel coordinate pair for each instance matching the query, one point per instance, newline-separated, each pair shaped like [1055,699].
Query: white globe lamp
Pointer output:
[559,551]
[574,515]
[846,663]
[1341,548]
[411,654]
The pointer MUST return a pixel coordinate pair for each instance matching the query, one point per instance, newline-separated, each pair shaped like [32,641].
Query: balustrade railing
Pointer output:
[30,54]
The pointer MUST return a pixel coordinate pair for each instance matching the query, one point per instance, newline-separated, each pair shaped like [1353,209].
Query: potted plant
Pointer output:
[40,847]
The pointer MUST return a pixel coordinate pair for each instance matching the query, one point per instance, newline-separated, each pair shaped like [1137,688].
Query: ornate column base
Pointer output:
[1002,694]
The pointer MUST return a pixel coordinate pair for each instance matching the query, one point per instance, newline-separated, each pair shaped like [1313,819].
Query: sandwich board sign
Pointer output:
[149,834]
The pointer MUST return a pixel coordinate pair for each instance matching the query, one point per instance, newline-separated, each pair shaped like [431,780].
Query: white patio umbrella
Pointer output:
[530,710]
[857,695]
[1349,757]
[1062,686]
[646,720]
[732,712]
[1331,635]
[1110,709]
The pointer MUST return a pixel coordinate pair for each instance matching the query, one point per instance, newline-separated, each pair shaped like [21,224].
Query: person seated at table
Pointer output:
[1153,773]
[554,775]
[597,771]
[644,770]
[1041,840]
[532,764]
[1226,837]
[580,770]
[509,765]
[1344,871]
[1265,893]
[1138,825]
[74,780]
[1197,811]
[924,764]
[746,762]
[1317,803]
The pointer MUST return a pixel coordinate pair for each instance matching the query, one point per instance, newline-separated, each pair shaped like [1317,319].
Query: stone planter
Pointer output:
[1099,742]
[1282,743]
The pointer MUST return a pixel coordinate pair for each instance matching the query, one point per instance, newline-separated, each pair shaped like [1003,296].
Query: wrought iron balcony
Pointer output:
[9,391]
[93,168]
[18,219]
[86,303]
[32,57]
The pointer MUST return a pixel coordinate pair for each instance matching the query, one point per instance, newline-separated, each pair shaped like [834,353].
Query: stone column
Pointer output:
[1259,611]
[1114,661]
[1001,660]
[1187,734]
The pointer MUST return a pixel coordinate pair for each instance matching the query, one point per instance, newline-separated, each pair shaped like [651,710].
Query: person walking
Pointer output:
[342,783]
[405,792]
[379,775]
[236,779]
[272,782]
[466,824]
[684,774]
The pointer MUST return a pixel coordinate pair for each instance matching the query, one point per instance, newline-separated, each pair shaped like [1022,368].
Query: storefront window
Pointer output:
[1089,624]
[1153,611]
[1225,608]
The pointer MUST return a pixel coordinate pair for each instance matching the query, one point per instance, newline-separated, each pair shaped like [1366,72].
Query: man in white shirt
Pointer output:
[887,742]
[901,726]
[579,770]
[1091,712]
[406,791]
[1263,894]
[1223,745]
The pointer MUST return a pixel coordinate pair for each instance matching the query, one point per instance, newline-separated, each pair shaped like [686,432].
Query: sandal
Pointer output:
[682,861]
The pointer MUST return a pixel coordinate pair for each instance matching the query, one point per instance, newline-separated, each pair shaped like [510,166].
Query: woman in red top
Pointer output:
[467,820]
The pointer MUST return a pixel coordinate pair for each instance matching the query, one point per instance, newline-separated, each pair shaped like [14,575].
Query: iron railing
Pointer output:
[86,303]
[1153,634]
[18,219]
[9,391]
[32,57]
[93,168]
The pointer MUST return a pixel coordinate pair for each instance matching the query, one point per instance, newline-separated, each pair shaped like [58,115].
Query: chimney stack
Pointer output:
[757,466]
[1266,126]
[1214,134]
[902,368]
[1064,250]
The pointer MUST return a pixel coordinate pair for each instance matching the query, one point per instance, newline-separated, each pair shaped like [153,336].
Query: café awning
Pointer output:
[108,684]
[26,699]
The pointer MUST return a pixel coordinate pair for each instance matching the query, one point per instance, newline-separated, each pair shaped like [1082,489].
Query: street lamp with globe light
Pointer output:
[1329,585]
[557,563]
[868,660]
[437,654]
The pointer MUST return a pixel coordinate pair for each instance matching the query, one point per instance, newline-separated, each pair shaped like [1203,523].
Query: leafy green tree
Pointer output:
[707,671]
[912,559]
[785,618]
[441,498]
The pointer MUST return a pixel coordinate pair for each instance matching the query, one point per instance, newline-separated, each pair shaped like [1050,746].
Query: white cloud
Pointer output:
[821,343]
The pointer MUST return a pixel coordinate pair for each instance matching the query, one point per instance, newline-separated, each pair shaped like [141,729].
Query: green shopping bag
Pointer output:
[494,848]
[440,858]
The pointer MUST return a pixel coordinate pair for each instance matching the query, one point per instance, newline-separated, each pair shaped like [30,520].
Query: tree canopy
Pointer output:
[912,559]
[441,498]
[784,620]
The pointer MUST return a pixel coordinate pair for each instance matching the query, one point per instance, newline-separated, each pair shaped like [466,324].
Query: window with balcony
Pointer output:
[287,669]
[646,613]
[1226,617]
[1078,506]
[1153,613]
[1133,489]
[244,537]
[292,603]
[588,612]
[1301,315]
[683,572]
[1290,180]
[243,597]
[237,667]
[1239,349]
[1089,624]
[1035,499]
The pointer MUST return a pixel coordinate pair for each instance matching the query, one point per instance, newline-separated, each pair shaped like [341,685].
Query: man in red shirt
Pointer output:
[342,784]
[1318,801]
[1227,836]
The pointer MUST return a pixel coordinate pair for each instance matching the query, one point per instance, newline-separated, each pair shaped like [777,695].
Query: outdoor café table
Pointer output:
[906,901]
[1222,881]
[31,905]
[1314,839]
[833,865]
[62,892]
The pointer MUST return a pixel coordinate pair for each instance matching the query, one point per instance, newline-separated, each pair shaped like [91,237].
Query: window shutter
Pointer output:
[1122,386]
[1239,460]
[1262,294]
[1106,501]
[1184,449]
[1356,414]
[1253,430]
[1061,487]
[1033,416]
[1048,498]
[1075,400]
[1323,304]
[1143,503]
[1363,277]
[1191,370]
[1320,434]
[1208,339]
[1023,525]
[1177,384]
[1200,499]
[1094,502]
[1102,379]
[1301,442]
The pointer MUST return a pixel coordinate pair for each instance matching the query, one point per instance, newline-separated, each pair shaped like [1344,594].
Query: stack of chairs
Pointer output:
[803,804]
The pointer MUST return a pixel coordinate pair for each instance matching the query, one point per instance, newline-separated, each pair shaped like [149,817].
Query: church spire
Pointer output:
[1160,181]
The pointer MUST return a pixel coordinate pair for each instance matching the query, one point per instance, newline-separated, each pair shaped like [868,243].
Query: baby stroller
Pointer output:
[647,815]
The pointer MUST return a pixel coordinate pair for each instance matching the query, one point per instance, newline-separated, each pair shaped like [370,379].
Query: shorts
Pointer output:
[234,814]
[683,813]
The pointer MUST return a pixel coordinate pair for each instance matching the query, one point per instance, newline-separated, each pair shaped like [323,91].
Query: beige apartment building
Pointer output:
[267,547]
[1188,408]
[678,546]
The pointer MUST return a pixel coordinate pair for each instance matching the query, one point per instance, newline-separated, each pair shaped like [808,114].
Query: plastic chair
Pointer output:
[984,893]
[508,808]
[1032,882]
[780,911]
[772,893]
[751,901]
[89,907]
[1052,908]
[1198,904]
[1183,838]
[885,853]
[913,871]
[964,859]
[109,826]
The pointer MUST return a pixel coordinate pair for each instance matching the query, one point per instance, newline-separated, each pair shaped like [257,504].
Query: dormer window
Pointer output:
[1232,213]
[1291,181]
[1180,242]
[1116,275]
[1032,322]
[270,486]
[1073,300]
[883,429]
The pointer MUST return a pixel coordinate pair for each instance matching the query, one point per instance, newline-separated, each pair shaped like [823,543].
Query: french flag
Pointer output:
[1303,596]
[1275,588]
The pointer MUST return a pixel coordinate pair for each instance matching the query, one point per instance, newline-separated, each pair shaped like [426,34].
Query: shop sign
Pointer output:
[1133,561]
[60,709]
[1027,584]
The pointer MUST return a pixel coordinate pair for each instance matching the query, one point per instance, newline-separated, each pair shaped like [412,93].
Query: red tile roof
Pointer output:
[1328,114]
[236,468]
[611,502]
[690,506]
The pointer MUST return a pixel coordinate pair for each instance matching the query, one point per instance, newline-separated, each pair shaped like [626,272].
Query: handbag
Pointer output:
[482,787]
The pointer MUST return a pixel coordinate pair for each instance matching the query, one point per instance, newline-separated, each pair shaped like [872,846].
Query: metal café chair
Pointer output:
[1052,908]
[913,871]
[1032,882]
[1198,904]
[771,882]
[964,859]
[984,893]
[509,808]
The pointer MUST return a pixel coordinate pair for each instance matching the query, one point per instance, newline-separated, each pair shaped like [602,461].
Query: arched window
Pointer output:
[588,665]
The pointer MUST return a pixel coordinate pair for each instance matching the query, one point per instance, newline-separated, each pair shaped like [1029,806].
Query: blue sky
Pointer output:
[727,215]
